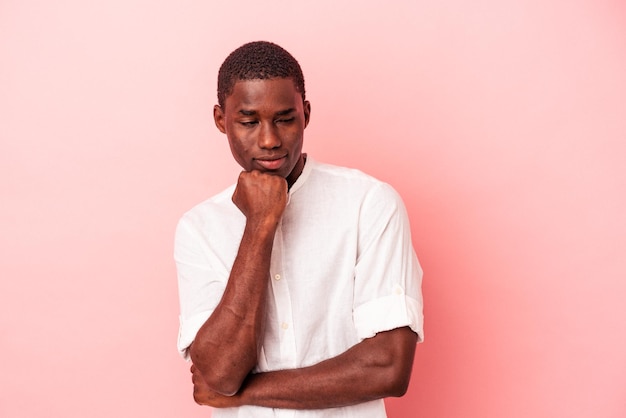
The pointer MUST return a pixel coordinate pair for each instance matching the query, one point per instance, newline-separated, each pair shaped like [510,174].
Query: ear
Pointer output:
[220,118]
[307,112]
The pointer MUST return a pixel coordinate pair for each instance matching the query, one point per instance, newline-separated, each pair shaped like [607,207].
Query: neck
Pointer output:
[297,170]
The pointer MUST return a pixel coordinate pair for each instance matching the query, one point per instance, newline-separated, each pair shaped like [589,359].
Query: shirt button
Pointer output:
[284,325]
[277,276]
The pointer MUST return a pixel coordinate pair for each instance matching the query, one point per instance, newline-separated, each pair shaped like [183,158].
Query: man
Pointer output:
[299,287]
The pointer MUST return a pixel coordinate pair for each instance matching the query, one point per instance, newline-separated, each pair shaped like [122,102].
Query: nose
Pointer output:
[268,137]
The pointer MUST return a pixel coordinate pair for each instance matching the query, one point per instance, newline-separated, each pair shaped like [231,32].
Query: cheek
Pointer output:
[243,150]
[296,141]
[293,135]
[240,141]
[239,150]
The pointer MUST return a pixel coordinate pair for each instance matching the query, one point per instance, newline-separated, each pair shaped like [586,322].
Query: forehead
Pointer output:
[258,94]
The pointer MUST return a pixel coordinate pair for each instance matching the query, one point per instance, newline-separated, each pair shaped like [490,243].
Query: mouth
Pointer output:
[271,163]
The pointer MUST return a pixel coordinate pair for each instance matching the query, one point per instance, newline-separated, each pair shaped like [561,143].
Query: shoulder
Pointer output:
[219,206]
[341,173]
[350,182]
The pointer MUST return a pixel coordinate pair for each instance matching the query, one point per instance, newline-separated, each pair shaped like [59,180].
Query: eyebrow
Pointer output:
[245,112]
[285,112]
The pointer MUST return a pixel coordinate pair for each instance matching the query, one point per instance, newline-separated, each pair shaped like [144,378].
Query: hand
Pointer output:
[260,196]
[205,396]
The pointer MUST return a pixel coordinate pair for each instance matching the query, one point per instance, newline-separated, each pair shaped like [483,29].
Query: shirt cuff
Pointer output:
[389,312]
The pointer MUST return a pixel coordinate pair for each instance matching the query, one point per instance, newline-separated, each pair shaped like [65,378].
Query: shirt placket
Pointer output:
[280,289]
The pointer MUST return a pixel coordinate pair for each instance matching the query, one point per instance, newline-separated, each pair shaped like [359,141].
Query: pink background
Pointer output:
[501,123]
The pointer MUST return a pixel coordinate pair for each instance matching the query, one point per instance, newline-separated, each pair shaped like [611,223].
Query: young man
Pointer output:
[299,287]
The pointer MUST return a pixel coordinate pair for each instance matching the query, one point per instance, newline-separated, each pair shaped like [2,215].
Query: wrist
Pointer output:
[264,225]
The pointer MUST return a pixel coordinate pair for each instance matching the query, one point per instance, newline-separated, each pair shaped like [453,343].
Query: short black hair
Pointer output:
[258,60]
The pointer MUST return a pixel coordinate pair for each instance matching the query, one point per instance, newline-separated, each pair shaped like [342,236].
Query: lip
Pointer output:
[271,163]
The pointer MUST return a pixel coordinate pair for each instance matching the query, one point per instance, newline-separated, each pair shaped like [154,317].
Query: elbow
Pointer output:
[395,377]
[395,380]
[217,379]
[224,388]
[397,363]
[221,385]
[398,385]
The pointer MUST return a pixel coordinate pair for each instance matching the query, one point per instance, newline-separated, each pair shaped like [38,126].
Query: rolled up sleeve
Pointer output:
[200,287]
[388,275]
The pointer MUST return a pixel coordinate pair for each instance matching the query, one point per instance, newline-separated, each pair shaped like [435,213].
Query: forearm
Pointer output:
[225,348]
[375,368]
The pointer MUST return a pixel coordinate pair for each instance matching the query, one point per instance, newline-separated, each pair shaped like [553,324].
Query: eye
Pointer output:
[286,120]
[249,124]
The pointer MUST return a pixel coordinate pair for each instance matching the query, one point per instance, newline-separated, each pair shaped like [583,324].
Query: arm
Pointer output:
[375,368]
[226,346]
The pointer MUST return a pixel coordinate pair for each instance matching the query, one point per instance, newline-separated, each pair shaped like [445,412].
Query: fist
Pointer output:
[260,196]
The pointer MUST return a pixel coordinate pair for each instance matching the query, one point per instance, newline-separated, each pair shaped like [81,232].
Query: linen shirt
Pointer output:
[342,269]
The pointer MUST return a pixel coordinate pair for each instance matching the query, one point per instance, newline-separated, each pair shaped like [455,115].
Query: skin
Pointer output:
[264,121]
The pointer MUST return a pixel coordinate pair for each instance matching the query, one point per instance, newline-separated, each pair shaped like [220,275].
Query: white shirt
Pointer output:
[343,269]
